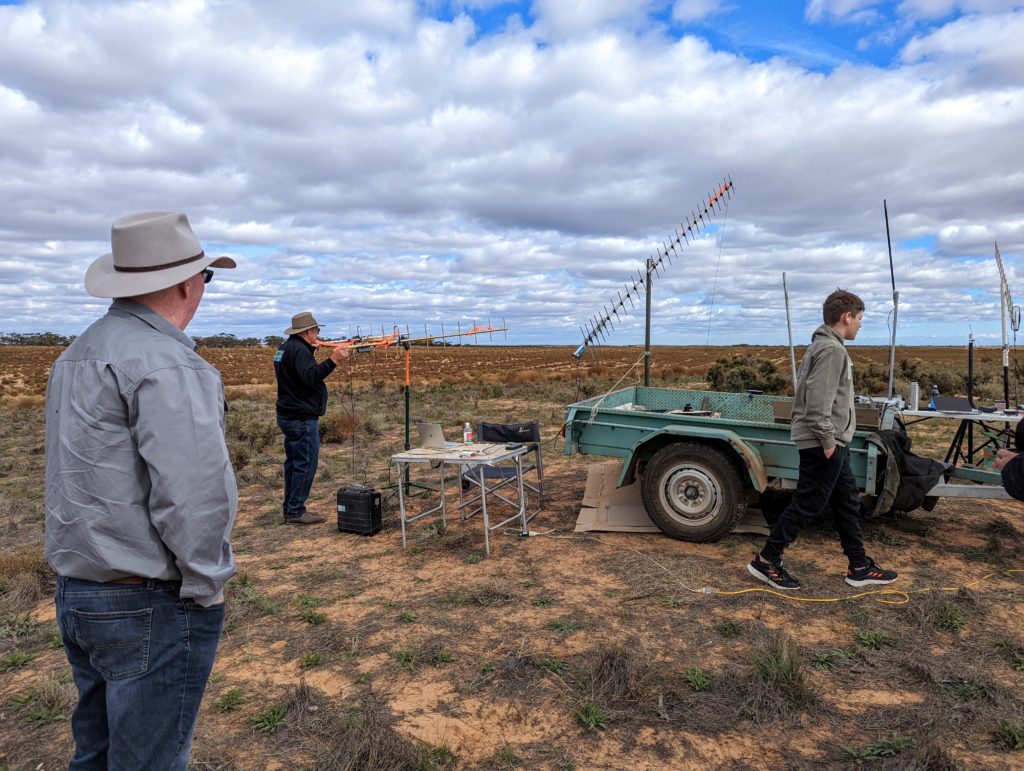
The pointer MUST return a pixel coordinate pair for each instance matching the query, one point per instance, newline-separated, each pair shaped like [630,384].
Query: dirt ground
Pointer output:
[560,651]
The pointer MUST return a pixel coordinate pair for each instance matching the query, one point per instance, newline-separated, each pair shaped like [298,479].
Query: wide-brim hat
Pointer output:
[301,322]
[148,252]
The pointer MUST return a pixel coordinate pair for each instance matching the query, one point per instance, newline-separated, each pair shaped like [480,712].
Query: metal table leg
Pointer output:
[401,498]
[483,507]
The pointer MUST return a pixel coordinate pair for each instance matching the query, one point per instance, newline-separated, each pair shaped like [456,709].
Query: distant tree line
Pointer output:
[220,340]
[35,338]
[228,340]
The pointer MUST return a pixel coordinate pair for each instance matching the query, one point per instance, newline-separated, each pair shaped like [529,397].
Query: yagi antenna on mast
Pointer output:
[596,329]
[1008,312]
[1011,311]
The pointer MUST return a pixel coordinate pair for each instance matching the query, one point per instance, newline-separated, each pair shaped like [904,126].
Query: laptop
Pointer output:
[952,404]
[432,437]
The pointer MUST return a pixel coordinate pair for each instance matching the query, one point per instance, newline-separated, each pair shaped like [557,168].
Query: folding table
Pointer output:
[461,457]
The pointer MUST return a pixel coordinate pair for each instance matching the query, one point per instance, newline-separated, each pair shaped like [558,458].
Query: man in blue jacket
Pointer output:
[1011,464]
[301,400]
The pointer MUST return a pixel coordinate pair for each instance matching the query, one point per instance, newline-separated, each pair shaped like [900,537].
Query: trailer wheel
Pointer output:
[693,492]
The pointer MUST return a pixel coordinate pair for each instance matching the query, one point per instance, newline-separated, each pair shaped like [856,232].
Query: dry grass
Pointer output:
[25,579]
[556,652]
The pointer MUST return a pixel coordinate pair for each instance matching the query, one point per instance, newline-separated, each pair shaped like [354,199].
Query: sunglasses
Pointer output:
[207,276]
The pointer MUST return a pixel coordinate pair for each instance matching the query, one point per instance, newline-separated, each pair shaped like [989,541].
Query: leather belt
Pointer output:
[131,580]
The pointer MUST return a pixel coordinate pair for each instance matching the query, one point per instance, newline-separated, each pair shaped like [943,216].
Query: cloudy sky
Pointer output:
[442,161]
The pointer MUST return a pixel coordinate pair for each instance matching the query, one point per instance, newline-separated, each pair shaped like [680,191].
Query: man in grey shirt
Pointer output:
[140,500]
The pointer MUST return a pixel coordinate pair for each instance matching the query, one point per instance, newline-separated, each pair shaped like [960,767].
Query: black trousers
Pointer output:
[824,482]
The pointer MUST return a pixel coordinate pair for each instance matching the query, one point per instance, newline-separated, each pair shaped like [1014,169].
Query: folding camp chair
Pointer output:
[497,477]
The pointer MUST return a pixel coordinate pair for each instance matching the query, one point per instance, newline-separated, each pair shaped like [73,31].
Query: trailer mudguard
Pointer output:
[751,459]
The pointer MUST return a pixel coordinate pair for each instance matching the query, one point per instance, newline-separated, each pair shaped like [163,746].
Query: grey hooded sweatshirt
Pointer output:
[823,411]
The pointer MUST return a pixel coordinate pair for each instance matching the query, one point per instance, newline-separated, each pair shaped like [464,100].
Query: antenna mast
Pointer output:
[895,304]
[789,329]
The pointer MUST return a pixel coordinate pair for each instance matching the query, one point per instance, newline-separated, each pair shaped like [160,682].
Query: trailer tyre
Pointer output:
[693,492]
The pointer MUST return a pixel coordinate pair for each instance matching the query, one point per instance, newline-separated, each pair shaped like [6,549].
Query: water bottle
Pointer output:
[935,392]
[467,433]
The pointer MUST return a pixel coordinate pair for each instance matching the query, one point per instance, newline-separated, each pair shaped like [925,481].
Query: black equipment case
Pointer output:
[358,510]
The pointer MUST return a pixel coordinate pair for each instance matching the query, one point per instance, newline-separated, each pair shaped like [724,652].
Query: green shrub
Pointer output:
[555,666]
[777,664]
[950,619]
[249,431]
[697,678]
[439,658]
[270,719]
[879,749]
[15,660]
[729,629]
[563,626]
[871,379]
[308,601]
[229,701]
[825,662]
[375,424]
[50,703]
[313,617]
[311,660]
[874,640]
[338,426]
[1009,735]
[592,716]
[741,373]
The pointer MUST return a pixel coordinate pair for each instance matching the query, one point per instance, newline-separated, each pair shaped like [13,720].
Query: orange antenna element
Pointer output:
[365,344]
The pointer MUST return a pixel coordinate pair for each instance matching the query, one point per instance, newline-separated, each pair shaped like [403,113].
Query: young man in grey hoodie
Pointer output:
[823,422]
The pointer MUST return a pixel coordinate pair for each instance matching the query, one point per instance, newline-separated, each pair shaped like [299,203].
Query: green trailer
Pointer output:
[702,457]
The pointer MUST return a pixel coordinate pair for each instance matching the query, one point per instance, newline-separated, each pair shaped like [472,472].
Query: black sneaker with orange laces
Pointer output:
[869,574]
[772,573]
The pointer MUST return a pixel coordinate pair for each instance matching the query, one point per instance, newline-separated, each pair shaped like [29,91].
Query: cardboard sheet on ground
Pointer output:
[610,509]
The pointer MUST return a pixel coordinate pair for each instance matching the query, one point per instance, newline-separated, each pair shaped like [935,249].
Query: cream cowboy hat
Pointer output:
[301,322]
[149,251]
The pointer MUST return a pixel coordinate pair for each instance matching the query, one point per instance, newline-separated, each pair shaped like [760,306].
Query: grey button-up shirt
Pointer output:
[138,478]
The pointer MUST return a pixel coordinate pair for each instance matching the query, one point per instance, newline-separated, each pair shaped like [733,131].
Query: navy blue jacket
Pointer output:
[301,393]
[1013,477]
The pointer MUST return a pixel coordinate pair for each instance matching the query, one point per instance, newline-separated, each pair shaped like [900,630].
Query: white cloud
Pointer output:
[974,52]
[560,18]
[846,11]
[937,9]
[391,168]
[689,11]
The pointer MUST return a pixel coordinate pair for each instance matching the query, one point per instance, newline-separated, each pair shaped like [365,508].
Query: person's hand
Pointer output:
[829,451]
[339,354]
[1003,457]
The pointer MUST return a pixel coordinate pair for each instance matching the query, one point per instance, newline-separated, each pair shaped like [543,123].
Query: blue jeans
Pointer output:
[302,454]
[823,483]
[140,657]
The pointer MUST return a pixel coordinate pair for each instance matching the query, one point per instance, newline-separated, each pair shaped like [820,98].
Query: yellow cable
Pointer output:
[904,597]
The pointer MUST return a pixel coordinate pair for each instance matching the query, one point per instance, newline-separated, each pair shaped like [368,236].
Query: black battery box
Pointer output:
[358,510]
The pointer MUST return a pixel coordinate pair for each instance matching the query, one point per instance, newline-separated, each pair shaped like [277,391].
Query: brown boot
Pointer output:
[306,519]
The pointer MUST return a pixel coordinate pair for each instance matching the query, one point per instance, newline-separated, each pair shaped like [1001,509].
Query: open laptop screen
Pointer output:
[952,404]
[432,437]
